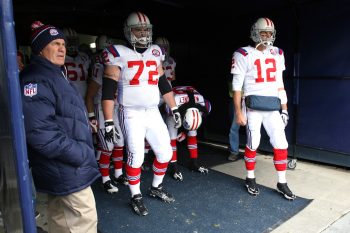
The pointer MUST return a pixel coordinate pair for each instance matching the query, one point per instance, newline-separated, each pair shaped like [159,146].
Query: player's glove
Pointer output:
[111,132]
[285,117]
[177,117]
[93,122]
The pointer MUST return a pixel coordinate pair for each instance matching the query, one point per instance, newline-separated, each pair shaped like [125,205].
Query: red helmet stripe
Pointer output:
[197,119]
[269,22]
[142,17]
[139,16]
[194,120]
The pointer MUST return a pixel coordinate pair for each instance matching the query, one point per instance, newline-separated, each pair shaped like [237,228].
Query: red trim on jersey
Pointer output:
[242,51]
[113,51]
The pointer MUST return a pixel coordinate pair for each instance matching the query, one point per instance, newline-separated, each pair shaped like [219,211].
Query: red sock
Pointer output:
[192,146]
[249,158]
[280,159]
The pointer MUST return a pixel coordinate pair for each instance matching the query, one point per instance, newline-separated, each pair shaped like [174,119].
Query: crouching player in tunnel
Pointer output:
[192,107]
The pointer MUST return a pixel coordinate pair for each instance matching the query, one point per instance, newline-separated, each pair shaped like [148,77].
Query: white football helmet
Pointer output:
[72,40]
[138,20]
[164,44]
[192,119]
[102,42]
[263,25]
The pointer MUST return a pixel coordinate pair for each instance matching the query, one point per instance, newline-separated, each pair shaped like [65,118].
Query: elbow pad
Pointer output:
[282,95]
[163,84]
[109,88]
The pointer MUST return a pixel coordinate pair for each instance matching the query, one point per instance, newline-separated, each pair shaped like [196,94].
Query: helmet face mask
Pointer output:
[102,42]
[164,44]
[263,32]
[192,119]
[72,41]
[138,30]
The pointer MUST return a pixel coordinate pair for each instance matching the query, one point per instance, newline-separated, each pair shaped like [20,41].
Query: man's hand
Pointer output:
[111,132]
[177,117]
[240,119]
[93,122]
[285,117]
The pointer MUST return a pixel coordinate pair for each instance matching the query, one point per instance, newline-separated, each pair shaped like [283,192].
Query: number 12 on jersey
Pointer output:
[270,70]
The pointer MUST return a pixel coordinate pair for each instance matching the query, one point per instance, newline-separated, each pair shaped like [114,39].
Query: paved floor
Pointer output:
[328,186]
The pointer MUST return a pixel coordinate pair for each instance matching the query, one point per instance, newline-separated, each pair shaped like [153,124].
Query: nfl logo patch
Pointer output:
[30,89]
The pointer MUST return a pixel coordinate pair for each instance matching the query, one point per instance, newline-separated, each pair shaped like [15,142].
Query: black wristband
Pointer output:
[109,88]
[163,84]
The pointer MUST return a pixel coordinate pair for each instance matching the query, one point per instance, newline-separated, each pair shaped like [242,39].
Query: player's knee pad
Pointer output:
[279,140]
[164,153]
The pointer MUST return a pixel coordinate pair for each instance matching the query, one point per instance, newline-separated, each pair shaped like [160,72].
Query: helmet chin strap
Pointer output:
[264,43]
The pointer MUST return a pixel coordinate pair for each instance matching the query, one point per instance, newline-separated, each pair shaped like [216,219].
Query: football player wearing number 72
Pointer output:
[258,72]
[136,71]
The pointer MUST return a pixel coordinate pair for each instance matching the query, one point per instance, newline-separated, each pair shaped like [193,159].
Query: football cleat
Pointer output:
[138,206]
[122,179]
[109,187]
[200,169]
[251,186]
[284,189]
[161,193]
[178,176]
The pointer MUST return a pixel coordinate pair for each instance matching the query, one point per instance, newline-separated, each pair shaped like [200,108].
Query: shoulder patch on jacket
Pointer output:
[113,51]
[30,89]
[242,51]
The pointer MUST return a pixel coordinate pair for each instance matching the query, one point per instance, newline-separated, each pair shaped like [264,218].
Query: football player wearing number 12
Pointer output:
[259,71]
[136,71]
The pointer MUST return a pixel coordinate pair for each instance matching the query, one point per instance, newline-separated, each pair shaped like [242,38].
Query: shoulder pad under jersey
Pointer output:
[113,51]
[242,51]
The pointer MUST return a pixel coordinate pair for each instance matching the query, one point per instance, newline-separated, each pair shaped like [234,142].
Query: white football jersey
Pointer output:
[97,75]
[181,97]
[138,82]
[258,72]
[77,71]
[169,65]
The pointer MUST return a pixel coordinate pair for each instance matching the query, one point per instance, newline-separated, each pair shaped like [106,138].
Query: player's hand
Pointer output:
[111,132]
[177,117]
[285,117]
[93,122]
